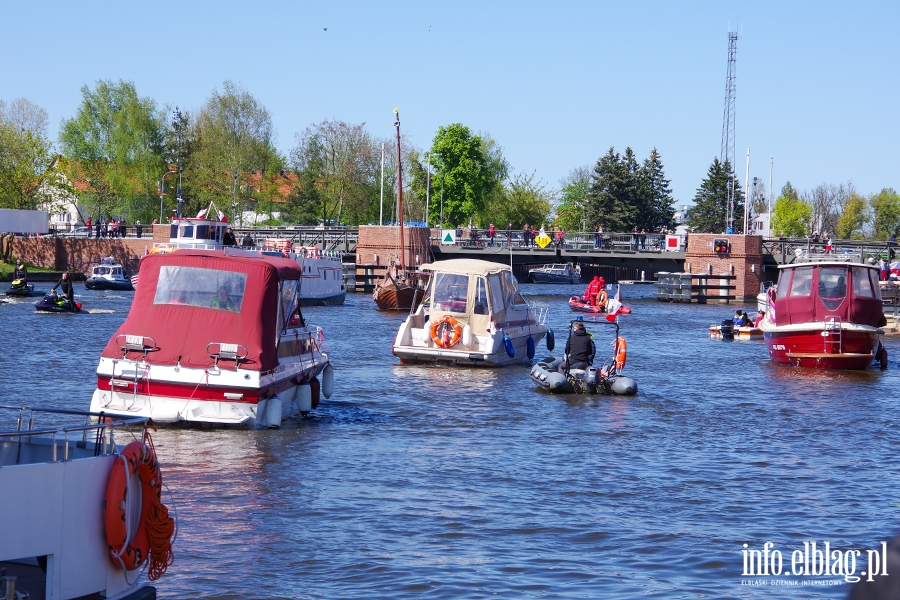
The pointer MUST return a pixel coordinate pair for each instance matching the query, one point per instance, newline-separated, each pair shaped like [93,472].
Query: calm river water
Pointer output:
[449,483]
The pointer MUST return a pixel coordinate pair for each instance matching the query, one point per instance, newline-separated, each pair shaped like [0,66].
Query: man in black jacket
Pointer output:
[20,272]
[228,239]
[65,285]
[580,349]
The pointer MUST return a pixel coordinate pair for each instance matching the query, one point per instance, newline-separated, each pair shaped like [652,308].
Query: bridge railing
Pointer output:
[790,250]
[579,240]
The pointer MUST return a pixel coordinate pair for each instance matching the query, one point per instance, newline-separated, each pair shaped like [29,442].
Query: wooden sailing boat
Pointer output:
[401,289]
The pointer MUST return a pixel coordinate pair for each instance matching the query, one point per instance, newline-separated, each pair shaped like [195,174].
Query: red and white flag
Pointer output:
[614,305]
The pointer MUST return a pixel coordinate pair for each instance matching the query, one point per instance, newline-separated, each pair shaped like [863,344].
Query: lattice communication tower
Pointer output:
[727,152]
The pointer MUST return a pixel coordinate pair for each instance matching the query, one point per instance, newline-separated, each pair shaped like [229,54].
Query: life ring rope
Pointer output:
[130,547]
[443,326]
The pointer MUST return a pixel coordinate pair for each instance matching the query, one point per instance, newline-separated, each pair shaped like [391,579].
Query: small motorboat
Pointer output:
[577,304]
[826,315]
[727,331]
[560,273]
[70,478]
[55,303]
[583,378]
[21,288]
[472,314]
[108,275]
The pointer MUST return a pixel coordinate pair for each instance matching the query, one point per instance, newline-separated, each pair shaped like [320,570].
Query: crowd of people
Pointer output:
[112,228]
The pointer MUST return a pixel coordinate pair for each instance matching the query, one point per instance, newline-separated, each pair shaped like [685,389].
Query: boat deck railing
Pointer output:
[28,444]
[541,311]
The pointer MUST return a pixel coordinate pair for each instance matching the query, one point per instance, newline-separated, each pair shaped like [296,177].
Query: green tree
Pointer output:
[27,168]
[654,195]
[610,199]
[232,140]
[344,160]
[791,215]
[522,200]
[854,217]
[886,210]
[571,206]
[303,203]
[710,209]
[115,145]
[459,155]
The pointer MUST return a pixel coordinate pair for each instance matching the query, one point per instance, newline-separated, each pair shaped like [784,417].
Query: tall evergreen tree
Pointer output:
[710,209]
[610,197]
[655,208]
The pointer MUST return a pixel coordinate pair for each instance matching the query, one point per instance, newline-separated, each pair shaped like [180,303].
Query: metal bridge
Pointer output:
[626,250]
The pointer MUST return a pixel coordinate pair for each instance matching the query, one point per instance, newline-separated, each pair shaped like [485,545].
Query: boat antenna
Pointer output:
[399,187]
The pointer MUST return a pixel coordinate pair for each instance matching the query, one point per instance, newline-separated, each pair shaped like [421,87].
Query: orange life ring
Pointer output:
[440,334]
[131,543]
[602,297]
[621,353]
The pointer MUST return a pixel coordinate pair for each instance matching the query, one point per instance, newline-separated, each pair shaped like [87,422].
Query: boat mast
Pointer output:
[399,188]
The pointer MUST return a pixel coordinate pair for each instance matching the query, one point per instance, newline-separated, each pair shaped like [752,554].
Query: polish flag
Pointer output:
[884,270]
[614,306]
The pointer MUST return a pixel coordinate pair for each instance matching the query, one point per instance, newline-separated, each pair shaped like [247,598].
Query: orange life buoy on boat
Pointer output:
[621,353]
[602,297]
[440,332]
[131,538]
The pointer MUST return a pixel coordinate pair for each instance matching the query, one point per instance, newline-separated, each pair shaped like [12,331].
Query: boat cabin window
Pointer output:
[510,290]
[832,286]
[206,288]
[802,282]
[288,301]
[481,303]
[450,292]
[862,286]
[101,270]
[186,231]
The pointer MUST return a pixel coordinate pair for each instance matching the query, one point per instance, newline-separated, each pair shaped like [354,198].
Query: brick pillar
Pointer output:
[743,259]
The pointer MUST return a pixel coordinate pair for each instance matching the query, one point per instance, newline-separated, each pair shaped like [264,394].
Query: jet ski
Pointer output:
[20,287]
[57,304]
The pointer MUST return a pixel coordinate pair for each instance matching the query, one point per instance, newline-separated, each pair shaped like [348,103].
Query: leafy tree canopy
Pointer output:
[790,215]
[886,212]
[459,155]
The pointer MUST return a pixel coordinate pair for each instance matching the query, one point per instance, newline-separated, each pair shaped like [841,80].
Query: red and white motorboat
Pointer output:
[214,337]
[825,315]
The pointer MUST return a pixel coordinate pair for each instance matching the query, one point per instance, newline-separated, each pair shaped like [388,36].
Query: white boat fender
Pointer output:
[273,413]
[466,337]
[304,399]
[261,414]
[529,348]
[510,349]
[624,386]
[551,340]
[328,381]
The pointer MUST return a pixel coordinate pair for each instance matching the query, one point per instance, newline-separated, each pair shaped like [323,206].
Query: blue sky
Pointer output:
[555,83]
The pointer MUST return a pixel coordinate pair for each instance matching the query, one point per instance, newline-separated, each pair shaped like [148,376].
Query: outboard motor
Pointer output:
[727,329]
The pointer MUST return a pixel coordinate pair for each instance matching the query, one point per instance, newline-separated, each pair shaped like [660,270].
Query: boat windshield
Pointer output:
[450,292]
[832,286]
[206,288]
[288,301]
[802,283]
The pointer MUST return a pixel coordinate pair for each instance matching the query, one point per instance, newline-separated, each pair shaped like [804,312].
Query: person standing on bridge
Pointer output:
[491,233]
[509,235]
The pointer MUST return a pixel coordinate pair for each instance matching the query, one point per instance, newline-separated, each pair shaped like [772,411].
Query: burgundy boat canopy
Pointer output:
[810,292]
[190,298]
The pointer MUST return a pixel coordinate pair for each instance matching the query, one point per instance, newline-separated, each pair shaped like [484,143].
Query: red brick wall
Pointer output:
[79,254]
[377,244]
[743,260]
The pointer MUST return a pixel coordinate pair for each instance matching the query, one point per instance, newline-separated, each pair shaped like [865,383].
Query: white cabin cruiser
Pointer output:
[472,315]
[322,270]
[108,275]
[216,338]
[61,536]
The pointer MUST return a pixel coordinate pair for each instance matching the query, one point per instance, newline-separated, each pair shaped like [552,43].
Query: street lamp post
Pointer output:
[162,191]
[442,198]
[234,173]
[427,188]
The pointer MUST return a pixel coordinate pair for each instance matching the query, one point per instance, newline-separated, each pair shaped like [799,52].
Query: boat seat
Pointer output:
[135,343]
[235,352]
